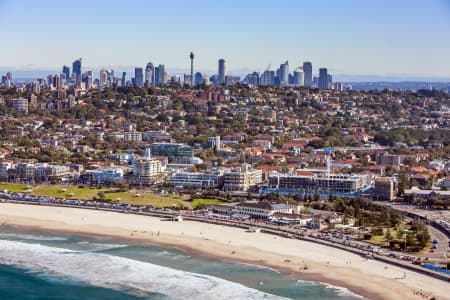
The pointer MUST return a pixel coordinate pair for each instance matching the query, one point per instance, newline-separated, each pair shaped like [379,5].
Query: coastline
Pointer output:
[368,278]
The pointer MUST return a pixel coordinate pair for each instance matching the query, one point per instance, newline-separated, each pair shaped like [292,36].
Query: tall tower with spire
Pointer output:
[191,56]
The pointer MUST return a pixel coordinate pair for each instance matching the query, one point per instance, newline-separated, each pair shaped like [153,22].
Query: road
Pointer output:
[431,215]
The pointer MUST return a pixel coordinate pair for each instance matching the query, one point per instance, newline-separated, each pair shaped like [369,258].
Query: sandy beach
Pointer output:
[372,279]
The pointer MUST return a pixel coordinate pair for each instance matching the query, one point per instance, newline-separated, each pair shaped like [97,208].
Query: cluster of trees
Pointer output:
[414,239]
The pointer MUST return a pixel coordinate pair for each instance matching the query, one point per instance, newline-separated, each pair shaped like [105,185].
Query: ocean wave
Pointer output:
[31,237]
[122,273]
[98,247]
[341,291]
[259,267]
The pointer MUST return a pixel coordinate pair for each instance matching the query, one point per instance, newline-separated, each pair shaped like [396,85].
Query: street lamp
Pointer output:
[405,231]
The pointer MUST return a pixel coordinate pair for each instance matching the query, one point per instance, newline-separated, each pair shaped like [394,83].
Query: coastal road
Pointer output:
[442,246]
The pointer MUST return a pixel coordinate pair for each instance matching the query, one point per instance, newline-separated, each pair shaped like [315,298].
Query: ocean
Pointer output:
[43,266]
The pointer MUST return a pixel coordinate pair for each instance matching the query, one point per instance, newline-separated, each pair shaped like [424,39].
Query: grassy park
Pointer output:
[86,193]
[202,202]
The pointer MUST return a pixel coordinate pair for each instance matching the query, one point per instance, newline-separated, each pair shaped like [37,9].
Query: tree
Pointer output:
[388,234]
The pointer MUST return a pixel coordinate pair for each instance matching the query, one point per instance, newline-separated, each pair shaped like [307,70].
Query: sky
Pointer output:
[379,39]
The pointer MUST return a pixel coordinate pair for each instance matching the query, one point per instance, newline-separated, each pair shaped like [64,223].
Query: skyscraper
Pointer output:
[307,69]
[76,71]
[191,56]
[139,77]
[299,77]
[124,79]
[252,79]
[284,74]
[267,78]
[159,75]
[198,78]
[323,79]
[103,77]
[89,80]
[222,71]
[66,72]
[149,75]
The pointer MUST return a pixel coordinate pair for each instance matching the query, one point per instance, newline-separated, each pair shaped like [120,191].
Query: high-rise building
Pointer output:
[57,82]
[76,71]
[222,71]
[198,79]
[267,78]
[299,77]
[103,77]
[160,75]
[330,78]
[307,69]
[89,79]
[191,56]
[149,75]
[124,79]
[323,79]
[66,72]
[187,79]
[139,77]
[284,74]
[252,79]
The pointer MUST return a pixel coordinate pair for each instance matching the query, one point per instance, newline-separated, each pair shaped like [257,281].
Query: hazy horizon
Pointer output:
[401,40]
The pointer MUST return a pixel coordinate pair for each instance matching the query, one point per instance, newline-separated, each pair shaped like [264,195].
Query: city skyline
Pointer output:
[350,38]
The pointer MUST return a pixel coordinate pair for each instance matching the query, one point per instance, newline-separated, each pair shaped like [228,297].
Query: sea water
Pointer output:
[38,265]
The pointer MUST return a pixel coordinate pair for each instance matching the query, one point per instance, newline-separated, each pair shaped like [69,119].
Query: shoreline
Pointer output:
[312,277]
[365,278]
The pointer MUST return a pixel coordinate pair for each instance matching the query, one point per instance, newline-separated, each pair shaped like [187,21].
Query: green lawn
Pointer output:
[204,201]
[14,187]
[71,192]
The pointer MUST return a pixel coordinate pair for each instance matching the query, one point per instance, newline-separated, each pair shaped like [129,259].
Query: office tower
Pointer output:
[124,79]
[66,72]
[49,80]
[149,75]
[206,80]
[252,79]
[299,77]
[307,69]
[88,79]
[267,78]
[222,71]
[323,79]
[103,77]
[330,78]
[198,79]
[139,77]
[338,86]
[57,82]
[76,71]
[284,74]
[187,79]
[160,75]
[191,56]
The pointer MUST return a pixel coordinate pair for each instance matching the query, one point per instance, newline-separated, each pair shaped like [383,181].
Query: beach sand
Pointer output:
[372,279]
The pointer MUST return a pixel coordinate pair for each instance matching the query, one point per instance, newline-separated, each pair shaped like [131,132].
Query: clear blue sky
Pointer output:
[382,37]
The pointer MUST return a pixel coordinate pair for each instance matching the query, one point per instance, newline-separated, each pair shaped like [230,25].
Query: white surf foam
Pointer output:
[31,237]
[123,273]
[98,247]
[342,291]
